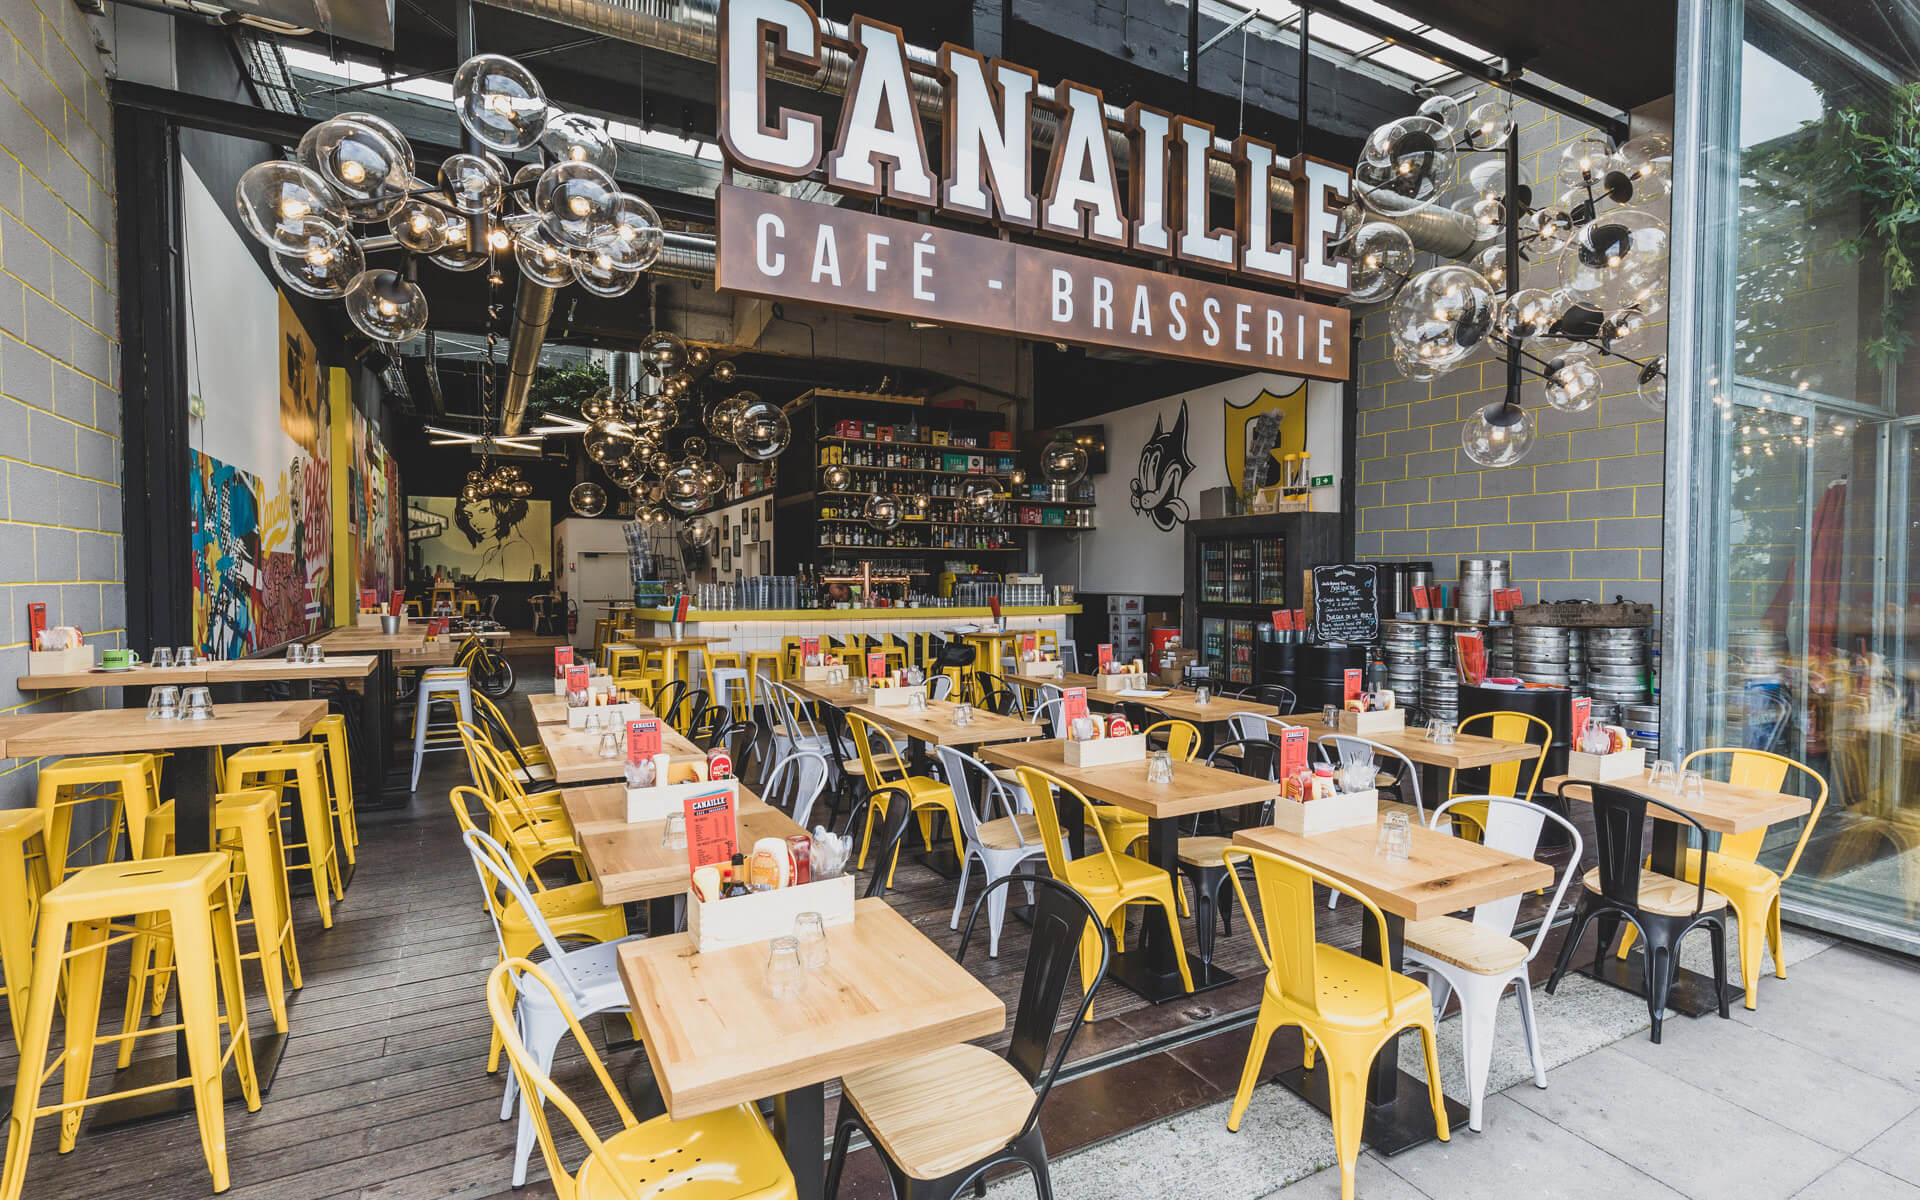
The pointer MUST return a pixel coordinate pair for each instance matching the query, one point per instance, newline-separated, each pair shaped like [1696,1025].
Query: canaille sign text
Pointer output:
[774,245]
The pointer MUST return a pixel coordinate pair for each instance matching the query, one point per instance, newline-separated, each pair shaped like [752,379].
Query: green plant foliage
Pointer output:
[563,389]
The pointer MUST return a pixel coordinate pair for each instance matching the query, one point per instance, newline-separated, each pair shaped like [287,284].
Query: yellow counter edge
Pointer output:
[897,613]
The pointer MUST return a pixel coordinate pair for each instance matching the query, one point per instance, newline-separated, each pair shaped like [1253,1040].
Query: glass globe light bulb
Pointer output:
[1489,125]
[1444,111]
[1573,381]
[570,137]
[762,430]
[697,533]
[724,372]
[1527,313]
[663,352]
[576,200]
[285,205]
[836,478]
[882,512]
[686,487]
[1498,435]
[499,102]
[473,183]
[1382,257]
[331,262]
[1652,383]
[1063,462]
[386,307]
[361,162]
[587,499]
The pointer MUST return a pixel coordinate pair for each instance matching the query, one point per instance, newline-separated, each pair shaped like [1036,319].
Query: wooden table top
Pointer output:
[142,675]
[935,726]
[1467,750]
[715,1038]
[1175,702]
[628,864]
[369,637]
[1728,809]
[548,709]
[1442,873]
[576,754]
[249,670]
[1196,787]
[17,724]
[127,730]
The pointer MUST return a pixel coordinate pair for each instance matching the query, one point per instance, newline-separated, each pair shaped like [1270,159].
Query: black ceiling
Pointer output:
[1619,52]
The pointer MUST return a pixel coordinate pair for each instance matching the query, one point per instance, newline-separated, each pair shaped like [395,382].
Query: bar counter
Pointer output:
[762,629]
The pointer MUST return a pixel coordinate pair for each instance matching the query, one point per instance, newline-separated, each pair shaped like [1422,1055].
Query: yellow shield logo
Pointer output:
[1245,428]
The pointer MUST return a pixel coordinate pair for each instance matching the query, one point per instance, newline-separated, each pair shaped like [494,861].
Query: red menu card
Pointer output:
[1073,705]
[398,605]
[1028,644]
[1471,652]
[1353,682]
[36,624]
[712,836]
[1293,751]
[877,666]
[1283,618]
[1582,713]
[369,600]
[1106,656]
[577,678]
[562,659]
[643,740]
[809,648]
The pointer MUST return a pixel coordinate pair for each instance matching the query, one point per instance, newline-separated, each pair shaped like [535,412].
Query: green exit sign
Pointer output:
[1323,481]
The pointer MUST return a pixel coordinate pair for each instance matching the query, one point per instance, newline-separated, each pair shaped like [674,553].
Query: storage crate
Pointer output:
[893,697]
[1120,683]
[1359,724]
[1342,810]
[1106,752]
[1605,768]
[760,916]
[659,803]
[60,662]
[826,673]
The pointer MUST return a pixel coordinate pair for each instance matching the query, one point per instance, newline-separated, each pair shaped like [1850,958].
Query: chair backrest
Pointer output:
[1101,870]
[503,985]
[1044,693]
[1513,827]
[1619,836]
[939,687]
[1503,779]
[1348,750]
[1765,771]
[710,726]
[888,834]
[496,869]
[1281,697]
[667,700]
[1183,738]
[1256,758]
[1061,916]
[864,731]
[978,794]
[1140,716]
[1288,908]
[795,717]
[995,695]
[496,724]
[1049,712]
[795,783]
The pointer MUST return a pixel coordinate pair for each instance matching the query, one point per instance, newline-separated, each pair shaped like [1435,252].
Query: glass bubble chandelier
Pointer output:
[562,219]
[1585,232]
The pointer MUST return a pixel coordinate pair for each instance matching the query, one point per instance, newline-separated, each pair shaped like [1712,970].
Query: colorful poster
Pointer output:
[502,538]
[228,589]
[303,403]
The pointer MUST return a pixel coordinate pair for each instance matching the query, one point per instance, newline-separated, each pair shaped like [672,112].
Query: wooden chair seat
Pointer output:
[886,762]
[941,1111]
[1203,851]
[1663,894]
[1466,945]
[1000,833]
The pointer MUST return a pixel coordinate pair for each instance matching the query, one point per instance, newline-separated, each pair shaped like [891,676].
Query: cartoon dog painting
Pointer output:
[1164,467]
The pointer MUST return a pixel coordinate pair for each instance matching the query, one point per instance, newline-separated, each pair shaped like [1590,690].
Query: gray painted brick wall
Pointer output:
[60,454]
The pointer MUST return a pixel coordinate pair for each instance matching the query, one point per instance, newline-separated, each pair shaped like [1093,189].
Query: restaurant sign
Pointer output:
[774,245]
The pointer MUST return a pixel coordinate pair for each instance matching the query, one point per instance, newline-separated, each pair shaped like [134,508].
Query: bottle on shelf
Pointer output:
[733,878]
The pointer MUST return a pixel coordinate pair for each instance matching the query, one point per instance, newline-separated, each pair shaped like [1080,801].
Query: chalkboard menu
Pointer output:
[1345,604]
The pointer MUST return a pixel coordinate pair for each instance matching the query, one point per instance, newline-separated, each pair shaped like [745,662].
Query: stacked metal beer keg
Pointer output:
[1577,660]
[1500,651]
[1642,722]
[1479,579]
[1540,654]
[1403,645]
[1616,665]
[1440,693]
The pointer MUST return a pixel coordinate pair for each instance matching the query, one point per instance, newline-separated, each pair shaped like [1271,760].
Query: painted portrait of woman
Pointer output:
[493,526]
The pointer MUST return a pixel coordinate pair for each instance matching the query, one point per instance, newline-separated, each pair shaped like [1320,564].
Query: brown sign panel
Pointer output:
[776,246]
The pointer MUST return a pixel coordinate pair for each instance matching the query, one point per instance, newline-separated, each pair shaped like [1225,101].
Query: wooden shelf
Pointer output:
[858,550]
[943,447]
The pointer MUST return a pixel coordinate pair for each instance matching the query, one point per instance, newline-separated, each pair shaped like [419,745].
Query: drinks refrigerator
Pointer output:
[1241,580]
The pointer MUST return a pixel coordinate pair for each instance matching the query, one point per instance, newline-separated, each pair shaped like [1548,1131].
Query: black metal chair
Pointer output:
[1278,695]
[1141,716]
[887,835]
[995,695]
[1664,909]
[710,726]
[1200,857]
[966,1094]
[667,699]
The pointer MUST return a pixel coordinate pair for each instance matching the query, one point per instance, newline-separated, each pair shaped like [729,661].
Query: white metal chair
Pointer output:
[795,782]
[1001,843]
[1043,694]
[1479,958]
[939,687]
[794,728]
[1257,725]
[589,976]
[448,685]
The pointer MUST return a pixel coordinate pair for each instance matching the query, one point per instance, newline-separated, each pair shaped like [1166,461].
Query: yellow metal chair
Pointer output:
[886,770]
[301,767]
[790,657]
[538,765]
[532,835]
[496,775]
[723,1155]
[331,732]
[131,782]
[1348,1007]
[23,880]
[893,648]
[1752,890]
[80,920]
[1503,779]
[573,912]
[1108,879]
[246,827]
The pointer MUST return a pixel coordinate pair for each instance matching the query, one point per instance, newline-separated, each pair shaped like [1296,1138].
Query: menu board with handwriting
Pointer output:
[1345,608]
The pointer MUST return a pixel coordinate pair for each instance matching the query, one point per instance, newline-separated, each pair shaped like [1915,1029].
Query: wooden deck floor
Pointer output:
[383,1092]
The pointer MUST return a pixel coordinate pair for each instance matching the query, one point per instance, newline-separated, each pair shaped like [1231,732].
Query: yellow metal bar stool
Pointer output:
[80,920]
[331,732]
[305,772]
[246,827]
[23,880]
[766,664]
[130,781]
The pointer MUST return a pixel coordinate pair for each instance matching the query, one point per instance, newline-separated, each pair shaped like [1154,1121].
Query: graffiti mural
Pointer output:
[227,592]
[1164,467]
[1259,432]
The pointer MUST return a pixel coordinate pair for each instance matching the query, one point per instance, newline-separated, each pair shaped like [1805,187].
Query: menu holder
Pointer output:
[825,673]
[1342,810]
[60,662]
[1366,724]
[892,697]
[662,801]
[758,916]
[1605,768]
[1052,669]
[577,718]
[367,620]
[1106,752]
[1130,682]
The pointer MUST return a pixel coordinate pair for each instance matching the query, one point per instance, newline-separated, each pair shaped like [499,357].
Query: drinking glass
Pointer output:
[1330,715]
[1664,776]
[1358,777]
[183,657]
[196,704]
[1395,839]
[674,837]
[1693,787]
[917,702]
[163,704]
[1440,732]
[784,972]
[810,931]
[1201,695]
[963,713]
[609,745]
[296,652]
[162,656]
[316,653]
[1160,767]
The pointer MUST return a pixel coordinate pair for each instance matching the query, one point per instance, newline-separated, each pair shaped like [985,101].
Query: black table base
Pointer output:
[800,1126]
